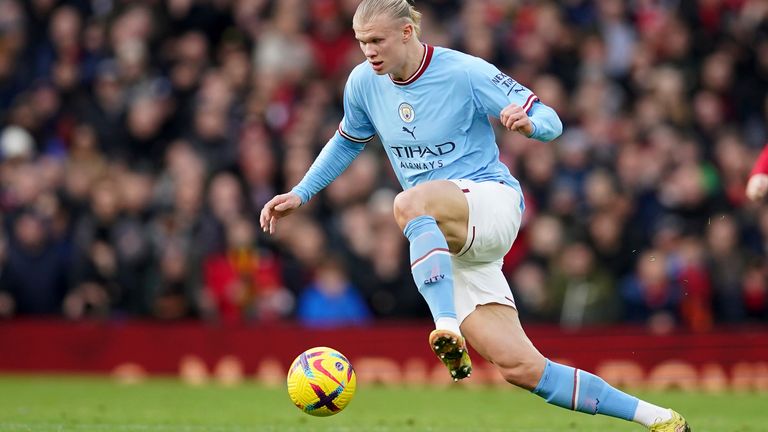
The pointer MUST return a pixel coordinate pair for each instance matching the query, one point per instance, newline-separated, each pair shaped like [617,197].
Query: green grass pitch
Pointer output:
[93,404]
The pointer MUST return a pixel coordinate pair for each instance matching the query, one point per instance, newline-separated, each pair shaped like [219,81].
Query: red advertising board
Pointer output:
[387,352]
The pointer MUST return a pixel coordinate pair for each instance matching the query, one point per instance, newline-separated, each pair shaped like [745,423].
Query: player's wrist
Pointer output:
[301,193]
[533,130]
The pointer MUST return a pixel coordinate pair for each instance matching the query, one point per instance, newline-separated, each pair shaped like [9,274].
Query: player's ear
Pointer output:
[407,32]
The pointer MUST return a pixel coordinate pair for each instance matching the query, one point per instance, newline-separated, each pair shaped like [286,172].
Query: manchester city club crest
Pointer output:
[406,112]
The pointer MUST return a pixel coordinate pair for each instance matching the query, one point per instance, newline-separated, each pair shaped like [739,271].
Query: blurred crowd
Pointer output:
[140,139]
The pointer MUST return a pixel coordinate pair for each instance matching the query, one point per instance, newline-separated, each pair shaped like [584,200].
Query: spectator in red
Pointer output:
[244,282]
[757,187]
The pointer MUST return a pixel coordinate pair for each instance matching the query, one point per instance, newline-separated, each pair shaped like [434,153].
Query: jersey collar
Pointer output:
[428,50]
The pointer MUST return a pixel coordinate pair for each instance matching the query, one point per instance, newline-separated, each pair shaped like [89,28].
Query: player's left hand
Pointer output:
[515,119]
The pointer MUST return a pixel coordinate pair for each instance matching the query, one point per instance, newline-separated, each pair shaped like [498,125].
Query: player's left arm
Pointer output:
[516,106]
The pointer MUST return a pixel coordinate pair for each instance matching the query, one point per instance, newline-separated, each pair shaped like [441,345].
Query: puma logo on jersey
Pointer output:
[405,129]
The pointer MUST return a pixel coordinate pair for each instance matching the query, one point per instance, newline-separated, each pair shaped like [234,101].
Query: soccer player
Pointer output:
[757,186]
[460,208]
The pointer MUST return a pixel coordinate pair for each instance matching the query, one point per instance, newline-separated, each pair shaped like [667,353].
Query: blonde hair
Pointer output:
[396,9]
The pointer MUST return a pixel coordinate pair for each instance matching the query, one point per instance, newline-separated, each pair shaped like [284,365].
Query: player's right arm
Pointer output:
[757,186]
[355,130]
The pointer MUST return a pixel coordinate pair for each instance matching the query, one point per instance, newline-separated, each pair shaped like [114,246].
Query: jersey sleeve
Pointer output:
[761,164]
[333,159]
[493,90]
[355,126]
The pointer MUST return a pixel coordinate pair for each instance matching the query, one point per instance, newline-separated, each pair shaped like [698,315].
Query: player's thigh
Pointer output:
[441,199]
[495,332]
[478,284]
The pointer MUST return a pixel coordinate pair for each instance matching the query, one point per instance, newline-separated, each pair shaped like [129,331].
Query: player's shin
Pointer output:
[582,391]
[432,270]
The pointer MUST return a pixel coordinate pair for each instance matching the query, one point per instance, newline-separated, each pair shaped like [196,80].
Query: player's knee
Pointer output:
[408,205]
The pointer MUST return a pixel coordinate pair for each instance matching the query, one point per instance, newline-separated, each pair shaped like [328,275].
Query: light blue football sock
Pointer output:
[431,265]
[578,390]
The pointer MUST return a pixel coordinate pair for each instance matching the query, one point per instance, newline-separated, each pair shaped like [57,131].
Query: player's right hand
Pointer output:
[277,207]
[757,187]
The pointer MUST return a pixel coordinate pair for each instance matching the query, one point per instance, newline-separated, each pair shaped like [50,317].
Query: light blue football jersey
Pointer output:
[435,125]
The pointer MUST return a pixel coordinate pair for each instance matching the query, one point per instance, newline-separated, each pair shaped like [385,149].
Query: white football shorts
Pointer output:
[495,213]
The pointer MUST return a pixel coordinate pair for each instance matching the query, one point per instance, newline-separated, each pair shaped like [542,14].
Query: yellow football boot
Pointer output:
[451,349]
[676,424]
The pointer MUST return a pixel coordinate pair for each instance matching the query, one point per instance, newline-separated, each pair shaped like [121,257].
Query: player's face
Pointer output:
[381,40]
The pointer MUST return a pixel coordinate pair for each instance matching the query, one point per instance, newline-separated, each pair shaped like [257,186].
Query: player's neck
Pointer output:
[412,61]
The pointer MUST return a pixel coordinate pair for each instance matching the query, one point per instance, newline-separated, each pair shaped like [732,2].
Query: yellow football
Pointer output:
[321,381]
